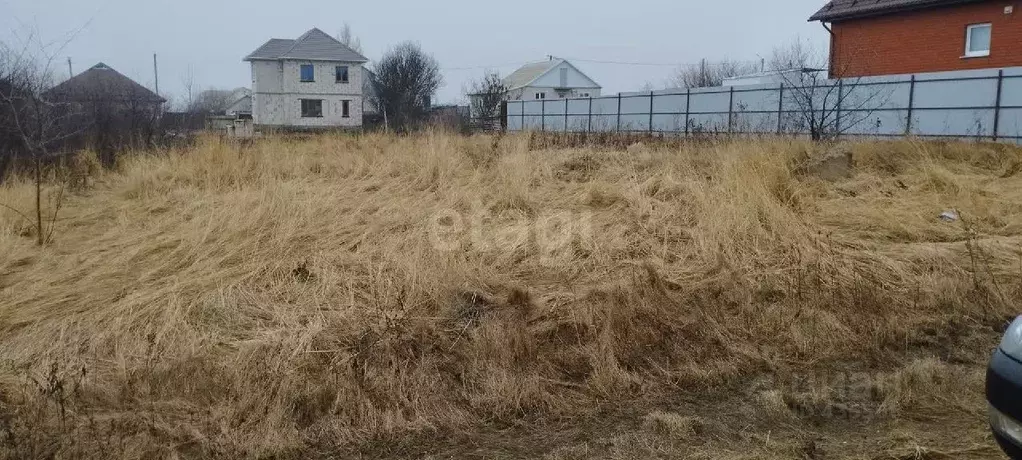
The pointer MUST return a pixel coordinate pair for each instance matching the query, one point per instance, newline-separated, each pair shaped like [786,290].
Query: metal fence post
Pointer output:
[619,112]
[566,115]
[590,129]
[542,116]
[997,103]
[837,115]
[521,112]
[651,112]
[731,111]
[688,104]
[911,102]
[780,107]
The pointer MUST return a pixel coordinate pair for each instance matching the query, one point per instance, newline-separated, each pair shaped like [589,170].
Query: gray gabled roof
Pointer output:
[531,72]
[272,49]
[837,10]
[101,82]
[314,45]
[528,73]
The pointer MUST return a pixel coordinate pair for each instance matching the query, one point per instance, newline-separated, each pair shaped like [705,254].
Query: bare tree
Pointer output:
[709,74]
[38,126]
[486,96]
[405,81]
[211,101]
[822,107]
[188,82]
[348,38]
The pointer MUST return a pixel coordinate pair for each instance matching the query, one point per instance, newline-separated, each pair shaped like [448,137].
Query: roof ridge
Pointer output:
[305,37]
[295,42]
[104,72]
[314,44]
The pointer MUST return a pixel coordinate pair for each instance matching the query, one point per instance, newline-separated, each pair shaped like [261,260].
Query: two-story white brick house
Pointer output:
[311,82]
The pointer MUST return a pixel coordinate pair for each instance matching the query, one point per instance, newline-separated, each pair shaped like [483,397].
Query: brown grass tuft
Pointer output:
[295,299]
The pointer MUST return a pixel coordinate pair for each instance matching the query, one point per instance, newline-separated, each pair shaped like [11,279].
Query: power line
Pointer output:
[650,64]
[703,63]
[653,64]
[484,66]
[594,61]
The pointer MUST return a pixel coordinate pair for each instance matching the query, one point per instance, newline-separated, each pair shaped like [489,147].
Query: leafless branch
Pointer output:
[404,82]
[709,74]
[824,108]
[348,38]
[486,96]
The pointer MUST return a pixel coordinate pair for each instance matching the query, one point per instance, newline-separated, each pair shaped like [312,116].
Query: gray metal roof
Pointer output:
[314,45]
[837,10]
[272,49]
[529,73]
[101,82]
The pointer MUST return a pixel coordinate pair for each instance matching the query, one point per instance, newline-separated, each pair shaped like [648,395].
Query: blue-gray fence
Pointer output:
[983,104]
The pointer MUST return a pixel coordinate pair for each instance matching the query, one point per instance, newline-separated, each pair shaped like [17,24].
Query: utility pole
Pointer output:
[70,73]
[156,75]
[702,73]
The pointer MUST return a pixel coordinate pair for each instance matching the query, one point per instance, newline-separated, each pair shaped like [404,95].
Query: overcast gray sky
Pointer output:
[467,36]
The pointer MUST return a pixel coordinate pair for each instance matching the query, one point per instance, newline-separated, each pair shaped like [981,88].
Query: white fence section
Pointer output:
[978,104]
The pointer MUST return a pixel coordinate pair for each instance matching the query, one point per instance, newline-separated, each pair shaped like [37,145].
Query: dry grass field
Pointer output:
[436,296]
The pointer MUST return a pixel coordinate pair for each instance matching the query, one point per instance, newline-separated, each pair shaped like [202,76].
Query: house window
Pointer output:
[540,95]
[341,73]
[308,73]
[977,40]
[345,109]
[312,108]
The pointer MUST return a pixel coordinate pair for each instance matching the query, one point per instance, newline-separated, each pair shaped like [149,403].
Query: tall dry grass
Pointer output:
[296,298]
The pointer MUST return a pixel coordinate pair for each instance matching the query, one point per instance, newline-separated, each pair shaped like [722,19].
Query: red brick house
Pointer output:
[885,37]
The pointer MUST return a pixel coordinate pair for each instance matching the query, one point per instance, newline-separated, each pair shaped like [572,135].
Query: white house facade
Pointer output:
[240,102]
[554,78]
[314,81]
[551,79]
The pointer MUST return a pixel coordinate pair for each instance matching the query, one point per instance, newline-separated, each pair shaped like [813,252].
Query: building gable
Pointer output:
[548,74]
[563,75]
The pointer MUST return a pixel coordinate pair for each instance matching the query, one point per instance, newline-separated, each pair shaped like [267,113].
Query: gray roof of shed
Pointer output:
[314,45]
[837,10]
[101,82]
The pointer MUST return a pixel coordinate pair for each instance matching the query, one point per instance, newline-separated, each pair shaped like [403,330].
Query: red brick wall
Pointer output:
[925,41]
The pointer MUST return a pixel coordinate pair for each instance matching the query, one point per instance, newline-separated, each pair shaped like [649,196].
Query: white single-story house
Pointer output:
[554,78]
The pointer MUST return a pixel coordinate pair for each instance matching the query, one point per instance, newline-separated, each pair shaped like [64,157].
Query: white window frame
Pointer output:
[541,95]
[968,40]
